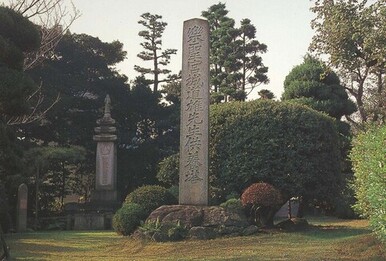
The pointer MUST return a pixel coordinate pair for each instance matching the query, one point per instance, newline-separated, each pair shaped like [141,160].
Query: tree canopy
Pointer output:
[152,46]
[236,65]
[315,85]
[352,34]
[289,146]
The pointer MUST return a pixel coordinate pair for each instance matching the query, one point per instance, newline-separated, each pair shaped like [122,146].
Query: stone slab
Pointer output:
[194,138]
[22,201]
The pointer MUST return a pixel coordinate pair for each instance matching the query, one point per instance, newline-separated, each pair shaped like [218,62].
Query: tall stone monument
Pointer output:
[194,157]
[98,213]
[106,158]
[22,199]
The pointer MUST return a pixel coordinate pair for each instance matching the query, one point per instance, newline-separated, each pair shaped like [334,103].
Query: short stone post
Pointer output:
[194,155]
[22,199]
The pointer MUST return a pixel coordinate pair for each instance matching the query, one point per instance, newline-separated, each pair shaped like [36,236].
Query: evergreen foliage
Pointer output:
[168,170]
[17,36]
[153,46]
[128,218]
[313,84]
[292,147]
[369,164]
[350,34]
[236,65]
[150,197]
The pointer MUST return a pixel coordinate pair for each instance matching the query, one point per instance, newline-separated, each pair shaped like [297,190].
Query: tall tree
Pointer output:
[18,36]
[266,94]
[83,72]
[236,65]
[352,33]
[220,24]
[315,85]
[155,27]
[253,72]
[53,18]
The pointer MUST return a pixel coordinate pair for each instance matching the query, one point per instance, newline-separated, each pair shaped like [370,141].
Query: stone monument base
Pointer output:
[90,216]
[104,196]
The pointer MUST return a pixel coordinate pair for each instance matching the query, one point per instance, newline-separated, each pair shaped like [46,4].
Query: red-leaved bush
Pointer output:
[261,194]
[263,201]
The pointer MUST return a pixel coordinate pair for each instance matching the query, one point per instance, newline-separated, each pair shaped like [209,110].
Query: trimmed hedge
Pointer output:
[150,197]
[128,218]
[292,147]
[369,164]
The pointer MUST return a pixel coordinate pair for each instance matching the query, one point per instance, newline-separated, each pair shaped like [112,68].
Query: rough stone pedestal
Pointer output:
[200,222]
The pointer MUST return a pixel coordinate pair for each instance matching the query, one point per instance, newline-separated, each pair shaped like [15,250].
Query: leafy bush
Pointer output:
[175,191]
[128,218]
[369,163]
[150,197]
[292,147]
[261,194]
[233,204]
[263,201]
[168,170]
[163,232]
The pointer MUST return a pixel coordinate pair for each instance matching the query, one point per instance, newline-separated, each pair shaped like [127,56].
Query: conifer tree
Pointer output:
[153,48]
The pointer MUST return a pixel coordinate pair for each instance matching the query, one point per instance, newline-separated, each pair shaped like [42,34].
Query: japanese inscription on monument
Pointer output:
[194,113]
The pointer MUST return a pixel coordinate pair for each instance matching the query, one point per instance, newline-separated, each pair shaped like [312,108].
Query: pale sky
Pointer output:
[283,25]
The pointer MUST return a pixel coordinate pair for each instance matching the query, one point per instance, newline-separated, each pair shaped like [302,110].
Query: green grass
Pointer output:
[327,239]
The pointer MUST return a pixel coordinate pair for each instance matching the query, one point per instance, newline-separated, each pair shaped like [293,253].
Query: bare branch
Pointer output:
[36,114]
[53,18]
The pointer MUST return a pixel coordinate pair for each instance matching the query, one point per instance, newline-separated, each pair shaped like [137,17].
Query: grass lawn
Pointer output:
[327,239]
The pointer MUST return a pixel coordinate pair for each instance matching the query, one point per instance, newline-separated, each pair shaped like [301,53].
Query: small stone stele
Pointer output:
[22,200]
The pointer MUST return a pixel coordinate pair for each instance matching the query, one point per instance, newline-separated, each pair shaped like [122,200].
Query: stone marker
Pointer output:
[22,199]
[106,157]
[193,184]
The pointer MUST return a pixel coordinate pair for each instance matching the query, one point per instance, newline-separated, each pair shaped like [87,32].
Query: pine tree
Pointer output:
[236,64]
[153,46]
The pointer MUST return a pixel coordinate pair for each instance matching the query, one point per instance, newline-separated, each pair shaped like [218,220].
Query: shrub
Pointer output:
[233,204]
[175,191]
[292,147]
[369,163]
[168,170]
[128,218]
[263,201]
[261,194]
[163,232]
[150,197]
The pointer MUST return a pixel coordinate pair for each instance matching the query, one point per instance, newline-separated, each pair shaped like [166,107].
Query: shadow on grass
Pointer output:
[333,232]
